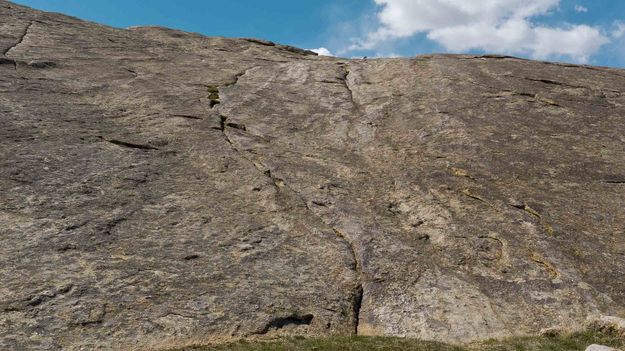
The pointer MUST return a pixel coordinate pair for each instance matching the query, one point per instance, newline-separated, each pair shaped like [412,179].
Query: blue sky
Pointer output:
[579,31]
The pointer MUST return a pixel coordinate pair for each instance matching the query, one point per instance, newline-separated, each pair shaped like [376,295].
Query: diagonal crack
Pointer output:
[20,40]
[235,78]
[345,80]
[129,144]
[214,98]
[553,82]
[280,184]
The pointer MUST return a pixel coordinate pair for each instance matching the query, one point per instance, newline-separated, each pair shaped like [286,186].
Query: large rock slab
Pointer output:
[158,186]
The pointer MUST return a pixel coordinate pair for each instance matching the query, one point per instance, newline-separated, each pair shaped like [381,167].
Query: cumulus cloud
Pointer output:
[322,52]
[497,26]
[580,8]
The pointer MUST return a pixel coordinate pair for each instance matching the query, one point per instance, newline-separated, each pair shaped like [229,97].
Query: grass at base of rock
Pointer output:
[578,341]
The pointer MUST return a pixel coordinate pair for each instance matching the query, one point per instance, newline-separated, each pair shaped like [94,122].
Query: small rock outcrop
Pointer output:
[595,347]
[161,186]
[607,324]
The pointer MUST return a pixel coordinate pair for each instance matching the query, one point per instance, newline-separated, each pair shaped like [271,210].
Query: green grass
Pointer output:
[573,342]
[578,341]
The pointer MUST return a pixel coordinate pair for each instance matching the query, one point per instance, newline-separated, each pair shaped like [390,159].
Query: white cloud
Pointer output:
[322,52]
[619,30]
[580,8]
[496,26]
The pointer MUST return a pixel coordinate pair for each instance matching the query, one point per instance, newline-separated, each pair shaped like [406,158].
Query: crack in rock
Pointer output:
[129,144]
[358,292]
[293,320]
[35,299]
[345,80]
[553,82]
[20,40]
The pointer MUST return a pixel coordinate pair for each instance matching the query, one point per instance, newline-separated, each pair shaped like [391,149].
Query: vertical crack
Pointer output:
[213,91]
[345,80]
[20,40]
[358,291]
[358,114]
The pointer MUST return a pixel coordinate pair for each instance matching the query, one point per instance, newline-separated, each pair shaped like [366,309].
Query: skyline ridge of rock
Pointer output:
[161,186]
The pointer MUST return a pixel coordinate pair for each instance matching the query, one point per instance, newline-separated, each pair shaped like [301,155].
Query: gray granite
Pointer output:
[162,187]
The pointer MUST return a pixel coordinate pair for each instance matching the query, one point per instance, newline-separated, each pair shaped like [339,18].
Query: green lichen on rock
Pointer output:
[213,95]
[213,92]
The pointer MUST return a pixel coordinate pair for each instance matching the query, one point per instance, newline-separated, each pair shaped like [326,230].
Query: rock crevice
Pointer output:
[280,185]
[20,39]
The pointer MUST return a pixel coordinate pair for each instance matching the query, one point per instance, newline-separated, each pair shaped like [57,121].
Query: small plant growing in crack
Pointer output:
[213,95]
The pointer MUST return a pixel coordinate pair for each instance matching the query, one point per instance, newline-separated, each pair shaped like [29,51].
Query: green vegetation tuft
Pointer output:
[578,341]
[572,342]
[213,92]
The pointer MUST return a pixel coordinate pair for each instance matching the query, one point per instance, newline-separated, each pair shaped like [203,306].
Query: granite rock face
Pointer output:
[158,187]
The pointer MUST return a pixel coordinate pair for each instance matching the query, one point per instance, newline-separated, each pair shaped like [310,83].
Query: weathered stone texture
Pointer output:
[157,185]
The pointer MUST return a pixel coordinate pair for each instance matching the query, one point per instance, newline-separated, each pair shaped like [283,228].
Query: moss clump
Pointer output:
[213,92]
[213,95]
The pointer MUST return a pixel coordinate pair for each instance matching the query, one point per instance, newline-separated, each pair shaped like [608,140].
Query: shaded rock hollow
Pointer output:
[158,186]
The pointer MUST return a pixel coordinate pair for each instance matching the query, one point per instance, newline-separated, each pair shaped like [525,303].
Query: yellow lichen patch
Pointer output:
[548,228]
[553,272]
[531,211]
[499,94]
[120,256]
[468,193]
[577,252]
[367,329]
[459,172]
[546,100]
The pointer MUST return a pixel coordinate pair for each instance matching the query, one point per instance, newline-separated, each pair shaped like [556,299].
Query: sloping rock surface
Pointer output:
[157,185]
